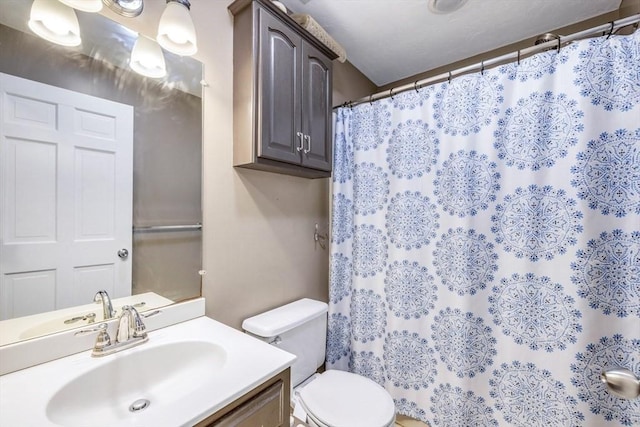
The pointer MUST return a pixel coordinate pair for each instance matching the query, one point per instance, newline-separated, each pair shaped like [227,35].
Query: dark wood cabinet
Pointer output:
[282,93]
[267,406]
[316,96]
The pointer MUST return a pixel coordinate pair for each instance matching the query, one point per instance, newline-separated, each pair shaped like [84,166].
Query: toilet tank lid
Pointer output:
[284,318]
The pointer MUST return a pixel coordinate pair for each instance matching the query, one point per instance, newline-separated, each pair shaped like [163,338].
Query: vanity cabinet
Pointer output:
[268,405]
[282,93]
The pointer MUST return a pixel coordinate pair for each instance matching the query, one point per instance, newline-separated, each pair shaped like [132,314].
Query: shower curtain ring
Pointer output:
[482,68]
[518,56]
[610,30]
[370,102]
[559,43]
[449,79]
[415,86]
[391,93]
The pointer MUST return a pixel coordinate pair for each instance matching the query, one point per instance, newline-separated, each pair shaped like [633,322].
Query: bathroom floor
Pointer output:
[404,421]
[401,421]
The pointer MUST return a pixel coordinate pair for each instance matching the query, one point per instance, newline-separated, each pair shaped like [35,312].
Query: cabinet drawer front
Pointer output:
[264,410]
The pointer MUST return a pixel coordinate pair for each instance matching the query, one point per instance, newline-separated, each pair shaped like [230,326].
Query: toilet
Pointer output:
[333,398]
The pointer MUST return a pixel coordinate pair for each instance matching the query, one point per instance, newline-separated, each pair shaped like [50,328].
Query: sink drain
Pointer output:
[139,405]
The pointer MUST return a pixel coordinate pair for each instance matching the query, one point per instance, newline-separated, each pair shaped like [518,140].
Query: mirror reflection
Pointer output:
[100,180]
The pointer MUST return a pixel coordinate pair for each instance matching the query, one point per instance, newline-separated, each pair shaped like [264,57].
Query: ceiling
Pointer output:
[388,40]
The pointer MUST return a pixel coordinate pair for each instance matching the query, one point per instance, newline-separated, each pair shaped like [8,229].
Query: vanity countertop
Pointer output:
[25,395]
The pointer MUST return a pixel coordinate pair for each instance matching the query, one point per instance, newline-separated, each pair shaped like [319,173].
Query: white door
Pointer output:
[66,186]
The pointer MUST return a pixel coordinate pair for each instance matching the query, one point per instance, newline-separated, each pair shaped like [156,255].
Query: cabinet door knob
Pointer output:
[301,137]
[308,139]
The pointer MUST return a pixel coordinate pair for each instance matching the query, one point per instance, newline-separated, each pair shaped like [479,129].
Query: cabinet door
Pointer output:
[279,90]
[264,410]
[316,108]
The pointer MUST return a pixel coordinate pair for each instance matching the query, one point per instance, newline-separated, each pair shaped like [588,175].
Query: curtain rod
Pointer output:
[516,55]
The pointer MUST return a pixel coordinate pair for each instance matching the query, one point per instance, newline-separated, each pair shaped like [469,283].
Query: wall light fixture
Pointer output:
[128,8]
[57,22]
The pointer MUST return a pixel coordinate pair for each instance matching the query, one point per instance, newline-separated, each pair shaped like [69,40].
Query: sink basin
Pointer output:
[183,374]
[149,379]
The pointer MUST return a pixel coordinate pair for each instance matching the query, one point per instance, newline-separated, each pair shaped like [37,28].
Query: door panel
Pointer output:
[94,195]
[30,112]
[87,279]
[95,125]
[30,174]
[18,292]
[65,193]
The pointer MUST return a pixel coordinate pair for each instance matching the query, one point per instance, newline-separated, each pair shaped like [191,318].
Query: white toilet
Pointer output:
[333,398]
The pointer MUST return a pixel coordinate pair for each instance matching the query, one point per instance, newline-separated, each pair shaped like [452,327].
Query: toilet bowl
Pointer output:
[331,399]
[337,398]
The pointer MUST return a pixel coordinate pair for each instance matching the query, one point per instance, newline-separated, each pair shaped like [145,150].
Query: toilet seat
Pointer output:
[342,399]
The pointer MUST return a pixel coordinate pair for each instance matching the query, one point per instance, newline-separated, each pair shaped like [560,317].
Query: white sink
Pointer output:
[150,379]
[186,372]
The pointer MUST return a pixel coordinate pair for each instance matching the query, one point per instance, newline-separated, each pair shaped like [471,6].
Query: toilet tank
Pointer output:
[299,328]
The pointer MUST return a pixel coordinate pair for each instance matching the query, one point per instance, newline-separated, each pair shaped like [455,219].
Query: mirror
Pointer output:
[48,190]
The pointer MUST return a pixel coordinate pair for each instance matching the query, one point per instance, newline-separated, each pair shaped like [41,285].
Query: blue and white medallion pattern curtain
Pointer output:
[485,257]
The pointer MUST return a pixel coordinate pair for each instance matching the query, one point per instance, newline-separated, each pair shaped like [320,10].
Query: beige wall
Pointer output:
[258,227]
[349,83]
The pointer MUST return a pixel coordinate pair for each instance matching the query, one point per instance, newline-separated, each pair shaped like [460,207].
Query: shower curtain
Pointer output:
[485,254]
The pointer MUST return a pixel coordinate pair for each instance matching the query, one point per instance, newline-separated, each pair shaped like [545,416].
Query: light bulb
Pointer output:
[147,58]
[178,37]
[55,22]
[56,26]
[176,32]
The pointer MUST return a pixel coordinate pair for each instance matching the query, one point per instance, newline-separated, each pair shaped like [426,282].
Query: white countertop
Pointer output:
[24,394]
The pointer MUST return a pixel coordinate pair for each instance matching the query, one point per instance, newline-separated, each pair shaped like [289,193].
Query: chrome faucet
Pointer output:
[107,309]
[130,333]
[130,326]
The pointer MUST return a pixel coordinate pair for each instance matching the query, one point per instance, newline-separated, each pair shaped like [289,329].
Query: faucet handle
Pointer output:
[100,328]
[103,340]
